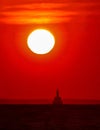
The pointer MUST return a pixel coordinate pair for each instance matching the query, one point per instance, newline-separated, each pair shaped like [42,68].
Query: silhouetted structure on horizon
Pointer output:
[57,99]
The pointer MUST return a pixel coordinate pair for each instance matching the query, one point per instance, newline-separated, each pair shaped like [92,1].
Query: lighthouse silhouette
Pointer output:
[57,100]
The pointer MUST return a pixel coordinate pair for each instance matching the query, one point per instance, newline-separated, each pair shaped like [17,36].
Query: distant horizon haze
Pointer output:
[49,101]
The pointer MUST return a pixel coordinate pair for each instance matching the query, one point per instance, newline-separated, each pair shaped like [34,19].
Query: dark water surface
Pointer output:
[50,117]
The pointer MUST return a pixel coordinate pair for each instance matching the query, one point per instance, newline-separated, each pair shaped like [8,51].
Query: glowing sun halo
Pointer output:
[41,41]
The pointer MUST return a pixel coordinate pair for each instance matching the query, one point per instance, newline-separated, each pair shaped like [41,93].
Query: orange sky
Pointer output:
[73,66]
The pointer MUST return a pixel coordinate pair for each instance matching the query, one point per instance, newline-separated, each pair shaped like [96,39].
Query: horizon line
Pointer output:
[49,101]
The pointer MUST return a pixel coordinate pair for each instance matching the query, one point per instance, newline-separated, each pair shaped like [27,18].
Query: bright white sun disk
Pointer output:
[41,41]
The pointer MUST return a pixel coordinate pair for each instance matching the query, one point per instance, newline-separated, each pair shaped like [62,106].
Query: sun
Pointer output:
[41,41]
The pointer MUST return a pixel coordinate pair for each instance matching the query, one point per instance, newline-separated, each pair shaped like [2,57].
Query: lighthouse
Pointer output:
[57,99]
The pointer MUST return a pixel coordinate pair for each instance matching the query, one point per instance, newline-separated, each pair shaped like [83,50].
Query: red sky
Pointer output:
[74,64]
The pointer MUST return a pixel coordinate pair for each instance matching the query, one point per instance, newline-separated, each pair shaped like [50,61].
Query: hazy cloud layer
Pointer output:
[41,13]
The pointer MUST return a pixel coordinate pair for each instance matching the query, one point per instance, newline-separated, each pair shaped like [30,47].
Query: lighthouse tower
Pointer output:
[57,99]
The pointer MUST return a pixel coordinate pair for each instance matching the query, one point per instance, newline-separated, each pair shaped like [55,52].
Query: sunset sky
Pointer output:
[73,66]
